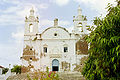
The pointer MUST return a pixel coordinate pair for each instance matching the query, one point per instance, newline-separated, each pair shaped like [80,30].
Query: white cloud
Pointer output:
[70,29]
[17,46]
[97,5]
[14,15]
[47,22]
[10,54]
[10,1]
[63,23]
[18,36]
[60,2]
[42,6]
[7,19]
[13,50]
[85,1]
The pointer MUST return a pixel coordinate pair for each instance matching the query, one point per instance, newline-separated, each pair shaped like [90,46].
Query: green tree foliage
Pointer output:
[16,68]
[104,54]
[5,70]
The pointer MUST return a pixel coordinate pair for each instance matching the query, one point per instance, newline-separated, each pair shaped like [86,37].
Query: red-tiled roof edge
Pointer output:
[1,67]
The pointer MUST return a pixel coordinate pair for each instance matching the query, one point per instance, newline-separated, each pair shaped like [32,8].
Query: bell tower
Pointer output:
[31,24]
[31,28]
[30,31]
[80,23]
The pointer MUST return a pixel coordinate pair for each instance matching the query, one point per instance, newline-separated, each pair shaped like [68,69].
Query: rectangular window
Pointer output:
[45,49]
[65,49]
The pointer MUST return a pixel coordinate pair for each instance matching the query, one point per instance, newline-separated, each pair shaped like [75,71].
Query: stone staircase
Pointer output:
[62,75]
[22,76]
[71,76]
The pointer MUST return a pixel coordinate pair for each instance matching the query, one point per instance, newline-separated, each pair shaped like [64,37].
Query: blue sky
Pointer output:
[13,12]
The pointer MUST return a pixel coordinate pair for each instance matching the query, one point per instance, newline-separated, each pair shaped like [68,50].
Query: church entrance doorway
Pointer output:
[55,65]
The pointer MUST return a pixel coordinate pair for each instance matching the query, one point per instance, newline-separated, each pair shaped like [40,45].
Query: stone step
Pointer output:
[71,76]
[62,75]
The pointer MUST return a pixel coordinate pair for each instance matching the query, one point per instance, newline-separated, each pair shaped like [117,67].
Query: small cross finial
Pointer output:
[32,7]
[32,11]
[79,10]
[79,7]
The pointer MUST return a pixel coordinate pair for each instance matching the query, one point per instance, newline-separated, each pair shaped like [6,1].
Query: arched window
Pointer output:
[31,27]
[65,48]
[45,48]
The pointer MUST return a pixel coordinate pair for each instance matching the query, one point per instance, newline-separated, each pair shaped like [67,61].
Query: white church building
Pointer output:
[55,47]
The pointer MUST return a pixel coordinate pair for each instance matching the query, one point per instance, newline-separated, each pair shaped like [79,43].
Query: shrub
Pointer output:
[16,68]
[5,70]
[40,75]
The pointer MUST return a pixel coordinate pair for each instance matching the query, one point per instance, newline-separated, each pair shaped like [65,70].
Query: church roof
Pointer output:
[56,27]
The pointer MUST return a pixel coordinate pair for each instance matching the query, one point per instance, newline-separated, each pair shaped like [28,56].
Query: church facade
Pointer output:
[55,47]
